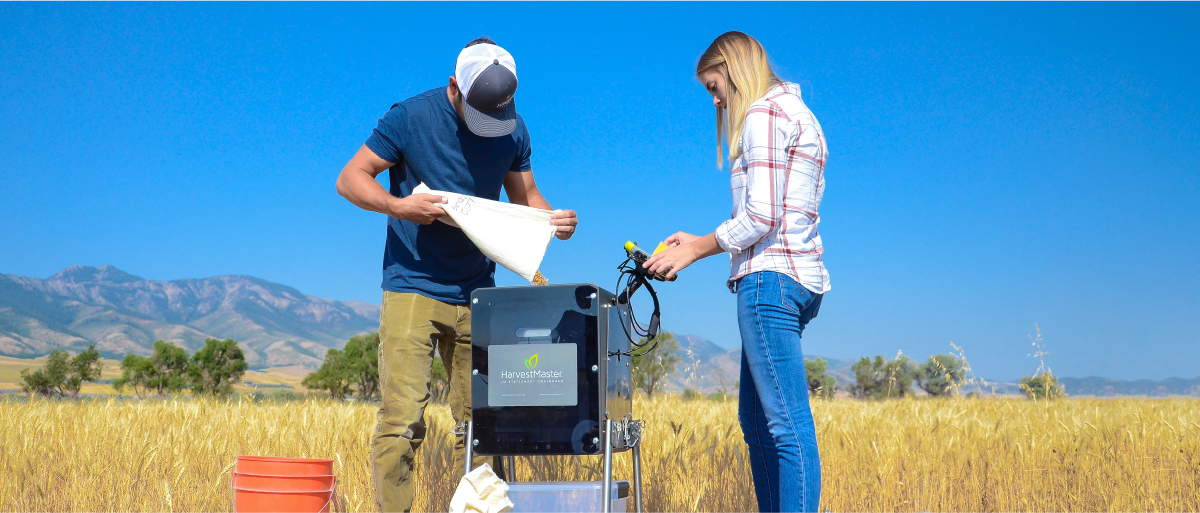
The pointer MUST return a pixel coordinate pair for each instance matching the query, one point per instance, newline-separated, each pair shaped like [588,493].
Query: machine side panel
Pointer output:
[618,379]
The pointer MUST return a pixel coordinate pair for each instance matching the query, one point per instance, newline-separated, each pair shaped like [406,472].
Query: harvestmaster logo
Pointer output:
[531,363]
[533,375]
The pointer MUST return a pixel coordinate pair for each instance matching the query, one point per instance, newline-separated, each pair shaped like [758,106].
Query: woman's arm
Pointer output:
[764,141]
[683,254]
[766,171]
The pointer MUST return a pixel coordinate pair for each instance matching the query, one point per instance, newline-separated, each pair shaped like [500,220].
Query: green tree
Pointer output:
[166,371]
[171,364]
[882,379]
[362,357]
[63,375]
[355,368]
[216,367]
[136,373]
[51,379]
[941,375]
[650,370]
[1042,386]
[335,376]
[820,383]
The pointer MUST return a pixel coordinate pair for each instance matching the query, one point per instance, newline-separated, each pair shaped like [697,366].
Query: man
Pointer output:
[465,138]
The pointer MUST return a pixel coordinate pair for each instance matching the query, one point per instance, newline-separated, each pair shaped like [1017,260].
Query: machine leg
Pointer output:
[606,487]
[510,468]
[468,442]
[637,477]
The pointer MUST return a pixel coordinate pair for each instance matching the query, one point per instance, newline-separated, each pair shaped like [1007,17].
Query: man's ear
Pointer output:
[454,87]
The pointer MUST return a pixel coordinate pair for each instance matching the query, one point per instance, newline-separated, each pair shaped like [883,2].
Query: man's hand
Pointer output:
[418,208]
[522,190]
[566,222]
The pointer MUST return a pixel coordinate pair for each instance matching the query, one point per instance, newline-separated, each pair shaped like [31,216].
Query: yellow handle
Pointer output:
[662,246]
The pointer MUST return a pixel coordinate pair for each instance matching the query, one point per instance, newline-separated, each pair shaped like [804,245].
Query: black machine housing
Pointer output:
[581,314]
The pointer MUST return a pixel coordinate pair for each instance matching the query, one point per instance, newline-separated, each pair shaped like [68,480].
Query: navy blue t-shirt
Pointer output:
[430,144]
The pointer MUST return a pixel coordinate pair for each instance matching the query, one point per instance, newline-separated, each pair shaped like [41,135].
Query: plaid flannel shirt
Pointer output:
[777,181]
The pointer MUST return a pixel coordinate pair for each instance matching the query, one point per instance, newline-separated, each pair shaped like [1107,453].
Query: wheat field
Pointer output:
[904,455]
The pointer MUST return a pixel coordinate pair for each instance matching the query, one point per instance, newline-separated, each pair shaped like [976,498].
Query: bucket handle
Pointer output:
[324,509]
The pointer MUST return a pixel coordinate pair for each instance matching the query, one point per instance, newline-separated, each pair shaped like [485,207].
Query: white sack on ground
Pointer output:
[481,491]
[514,236]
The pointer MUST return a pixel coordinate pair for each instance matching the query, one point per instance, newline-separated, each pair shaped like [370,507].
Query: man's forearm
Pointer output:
[536,200]
[522,191]
[360,188]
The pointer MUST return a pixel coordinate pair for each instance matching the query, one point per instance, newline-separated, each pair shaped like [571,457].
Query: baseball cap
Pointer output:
[487,77]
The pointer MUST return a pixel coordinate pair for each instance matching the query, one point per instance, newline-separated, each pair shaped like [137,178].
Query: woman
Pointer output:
[777,154]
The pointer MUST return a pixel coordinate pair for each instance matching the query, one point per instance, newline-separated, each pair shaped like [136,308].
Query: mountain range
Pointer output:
[276,325]
[1107,387]
[709,368]
[279,326]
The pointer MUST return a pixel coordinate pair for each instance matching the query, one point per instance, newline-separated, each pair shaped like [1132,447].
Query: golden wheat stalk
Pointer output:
[901,455]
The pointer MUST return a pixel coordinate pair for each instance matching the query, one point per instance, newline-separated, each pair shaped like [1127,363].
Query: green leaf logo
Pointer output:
[532,362]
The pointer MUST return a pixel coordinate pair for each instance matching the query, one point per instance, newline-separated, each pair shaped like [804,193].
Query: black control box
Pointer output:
[549,365]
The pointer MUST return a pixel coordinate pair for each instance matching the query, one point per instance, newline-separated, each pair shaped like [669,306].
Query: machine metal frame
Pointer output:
[634,446]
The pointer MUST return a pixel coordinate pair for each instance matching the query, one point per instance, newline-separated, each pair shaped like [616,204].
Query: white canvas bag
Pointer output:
[514,236]
[481,492]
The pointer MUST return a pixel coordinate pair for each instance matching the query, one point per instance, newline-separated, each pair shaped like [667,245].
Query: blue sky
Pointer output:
[992,166]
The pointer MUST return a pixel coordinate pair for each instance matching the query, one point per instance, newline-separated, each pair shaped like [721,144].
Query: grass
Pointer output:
[903,455]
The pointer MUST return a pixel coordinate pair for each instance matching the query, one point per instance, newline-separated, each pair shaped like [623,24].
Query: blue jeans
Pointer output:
[773,404]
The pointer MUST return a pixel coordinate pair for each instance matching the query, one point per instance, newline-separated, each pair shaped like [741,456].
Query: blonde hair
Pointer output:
[748,76]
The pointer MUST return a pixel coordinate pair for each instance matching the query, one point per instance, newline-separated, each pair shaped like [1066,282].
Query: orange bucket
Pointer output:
[263,501]
[293,485]
[244,481]
[273,466]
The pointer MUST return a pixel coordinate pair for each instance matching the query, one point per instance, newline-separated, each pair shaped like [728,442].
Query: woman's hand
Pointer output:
[685,250]
[671,261]
[680,238]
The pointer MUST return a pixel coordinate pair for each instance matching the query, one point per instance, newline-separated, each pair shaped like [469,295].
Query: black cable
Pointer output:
[632,278]
[651,332]
[626,277]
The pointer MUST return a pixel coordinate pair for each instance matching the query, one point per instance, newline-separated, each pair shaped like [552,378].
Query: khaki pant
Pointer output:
[410,327]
